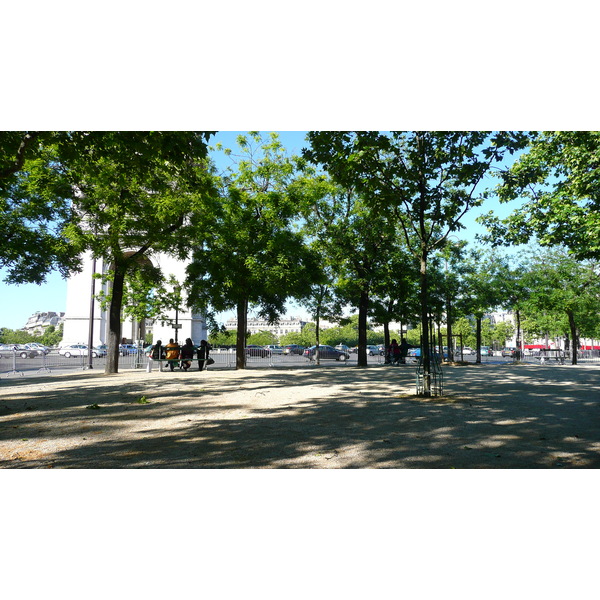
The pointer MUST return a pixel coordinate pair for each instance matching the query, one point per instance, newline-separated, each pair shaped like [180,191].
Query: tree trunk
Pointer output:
[363,308]
[478,338]
[574,337]
[317,336]
[242,326]
[114,321]
[449,330]
[519,341]
[386,339]
[425,351]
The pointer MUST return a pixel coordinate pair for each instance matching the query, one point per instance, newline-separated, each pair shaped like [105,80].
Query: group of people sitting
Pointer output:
[181,356]
[397,353]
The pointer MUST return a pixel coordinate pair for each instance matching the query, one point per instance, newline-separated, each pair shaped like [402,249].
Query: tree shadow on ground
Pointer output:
[489,418]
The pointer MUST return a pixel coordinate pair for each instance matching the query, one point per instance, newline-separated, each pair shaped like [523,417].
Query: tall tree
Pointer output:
[484,283]
[129,194]
[253,255]
[427,181]
[564,286]
[357,241]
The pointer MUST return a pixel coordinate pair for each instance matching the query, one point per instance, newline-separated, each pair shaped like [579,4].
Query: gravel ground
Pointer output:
[501,416]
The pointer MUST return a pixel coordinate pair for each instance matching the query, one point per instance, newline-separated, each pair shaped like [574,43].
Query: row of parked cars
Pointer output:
[340,352]
[23,350]
[33,350]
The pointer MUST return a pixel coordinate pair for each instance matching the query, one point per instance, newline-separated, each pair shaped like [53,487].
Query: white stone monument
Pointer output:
[180,324]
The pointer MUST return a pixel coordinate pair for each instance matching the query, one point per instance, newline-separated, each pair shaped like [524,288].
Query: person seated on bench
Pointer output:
[187,353]
[158,351]
[173,352]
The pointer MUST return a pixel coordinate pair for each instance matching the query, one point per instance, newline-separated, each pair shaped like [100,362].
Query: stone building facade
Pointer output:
[39,321]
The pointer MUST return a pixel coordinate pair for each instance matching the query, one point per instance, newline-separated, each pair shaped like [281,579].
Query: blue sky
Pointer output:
[18,303]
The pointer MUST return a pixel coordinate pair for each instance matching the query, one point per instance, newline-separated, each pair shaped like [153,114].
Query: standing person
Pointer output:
[187,353]
[173,351]
[404,347]
[202,353]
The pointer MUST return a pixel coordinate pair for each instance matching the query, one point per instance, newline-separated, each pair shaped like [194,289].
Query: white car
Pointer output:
[274,349]
[468,351]
[80,350]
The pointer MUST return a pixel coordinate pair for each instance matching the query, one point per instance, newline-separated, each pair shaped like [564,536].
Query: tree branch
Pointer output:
[17,165]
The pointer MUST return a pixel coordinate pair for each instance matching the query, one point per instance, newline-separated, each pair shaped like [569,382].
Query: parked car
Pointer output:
[22,351]
[293,349]
[274,349]
[127,349]
[36,346]
[508,352]
[326,352]
[416,353]
[80,350]
[343,348]
[468,351]
[486,351]
[254,350]
[372,350]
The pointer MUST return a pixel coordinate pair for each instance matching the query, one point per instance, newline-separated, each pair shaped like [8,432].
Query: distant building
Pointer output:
[39,321]
[285,325]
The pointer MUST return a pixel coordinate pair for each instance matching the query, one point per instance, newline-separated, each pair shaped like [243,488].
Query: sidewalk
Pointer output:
[492,416]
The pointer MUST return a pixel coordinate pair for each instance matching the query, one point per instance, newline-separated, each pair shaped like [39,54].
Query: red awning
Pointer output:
[533,346]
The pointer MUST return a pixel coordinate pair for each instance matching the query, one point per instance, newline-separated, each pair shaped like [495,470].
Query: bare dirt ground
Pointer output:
[491,416]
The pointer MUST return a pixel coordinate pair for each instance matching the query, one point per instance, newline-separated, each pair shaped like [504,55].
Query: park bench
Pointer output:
[162,361]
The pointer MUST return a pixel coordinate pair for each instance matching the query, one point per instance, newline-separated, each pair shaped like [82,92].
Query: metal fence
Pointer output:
[53,362]
[14,365]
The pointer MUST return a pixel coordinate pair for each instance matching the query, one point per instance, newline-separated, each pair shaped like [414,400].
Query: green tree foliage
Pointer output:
[34,208]
[263,338]
[253,254]
[562,286]
[136,193]
[222,337]
[559,179]
[129,194]
[484,282]
[356,242]
[502,332]
[50,337]
[464,326]
[294,337]
[426,181]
